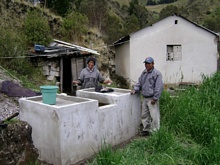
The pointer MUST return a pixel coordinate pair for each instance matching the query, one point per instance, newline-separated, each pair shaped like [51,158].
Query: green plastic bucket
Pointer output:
[49,94]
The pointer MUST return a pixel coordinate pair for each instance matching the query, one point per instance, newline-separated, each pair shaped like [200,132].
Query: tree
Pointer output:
[167,11]
[131,25]
[139,11]
[113,28]
[59,7]
[151,2]
[95,10]
[213,23]
[166,1]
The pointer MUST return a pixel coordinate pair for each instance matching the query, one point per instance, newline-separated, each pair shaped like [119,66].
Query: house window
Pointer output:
[174,53]
[176,21]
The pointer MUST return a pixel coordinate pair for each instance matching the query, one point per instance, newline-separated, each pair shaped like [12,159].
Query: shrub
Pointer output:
[12,50]
[74,26]
[36,28]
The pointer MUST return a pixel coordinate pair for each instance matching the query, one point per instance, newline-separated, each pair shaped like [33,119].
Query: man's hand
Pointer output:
[133,92]
[153,102]
[107,81]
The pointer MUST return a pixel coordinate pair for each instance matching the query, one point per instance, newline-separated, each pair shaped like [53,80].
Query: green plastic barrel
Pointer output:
[49,94]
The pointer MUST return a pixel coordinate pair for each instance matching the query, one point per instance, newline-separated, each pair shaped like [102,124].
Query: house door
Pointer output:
[67,76]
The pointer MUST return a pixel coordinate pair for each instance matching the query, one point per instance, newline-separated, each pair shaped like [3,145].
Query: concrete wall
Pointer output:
[75,127]
[122,60]
[121,123]
[57,124]
[199,50]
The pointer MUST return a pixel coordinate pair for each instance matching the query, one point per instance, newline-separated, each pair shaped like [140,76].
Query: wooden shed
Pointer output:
[62,62]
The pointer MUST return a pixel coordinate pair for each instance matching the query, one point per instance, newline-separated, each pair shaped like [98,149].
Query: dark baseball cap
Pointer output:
[149,60]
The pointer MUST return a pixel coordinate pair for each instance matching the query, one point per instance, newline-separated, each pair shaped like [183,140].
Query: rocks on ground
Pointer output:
[16,144]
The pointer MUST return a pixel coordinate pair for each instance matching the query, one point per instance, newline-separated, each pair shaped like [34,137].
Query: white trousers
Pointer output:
[150,116]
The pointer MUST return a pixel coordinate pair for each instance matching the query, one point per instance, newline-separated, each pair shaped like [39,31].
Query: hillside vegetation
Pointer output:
[189,132]
[95,24]
[198,11]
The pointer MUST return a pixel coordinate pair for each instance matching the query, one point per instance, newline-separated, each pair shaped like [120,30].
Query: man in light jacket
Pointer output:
[150,85]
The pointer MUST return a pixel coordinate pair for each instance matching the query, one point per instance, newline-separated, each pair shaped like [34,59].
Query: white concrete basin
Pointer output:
[75,127]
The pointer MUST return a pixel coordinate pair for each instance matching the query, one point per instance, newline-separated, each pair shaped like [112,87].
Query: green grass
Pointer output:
[11,121]
[35,163]
[189,133]
[107,156]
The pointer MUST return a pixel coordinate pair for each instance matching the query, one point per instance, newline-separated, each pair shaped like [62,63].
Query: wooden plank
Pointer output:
[73,72]
[73,69]
[77,64]
[61,75]
[80,65]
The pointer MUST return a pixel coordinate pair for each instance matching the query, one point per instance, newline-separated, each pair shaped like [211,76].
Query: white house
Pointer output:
[183,51]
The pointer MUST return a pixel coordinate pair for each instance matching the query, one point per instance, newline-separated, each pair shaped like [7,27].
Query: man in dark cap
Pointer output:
[90,77]
[150,85]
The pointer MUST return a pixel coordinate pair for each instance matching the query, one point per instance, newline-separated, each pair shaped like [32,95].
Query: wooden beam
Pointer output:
[61,75]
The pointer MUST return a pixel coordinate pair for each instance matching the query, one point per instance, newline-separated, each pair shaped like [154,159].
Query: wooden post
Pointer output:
[61,75]
[74,75]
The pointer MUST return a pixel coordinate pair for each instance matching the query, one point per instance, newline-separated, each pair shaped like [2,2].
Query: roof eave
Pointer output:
[77,47]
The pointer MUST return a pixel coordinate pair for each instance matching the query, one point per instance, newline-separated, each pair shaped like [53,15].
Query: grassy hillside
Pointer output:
[197,10]
[123,2]
[158,8]
[14,25]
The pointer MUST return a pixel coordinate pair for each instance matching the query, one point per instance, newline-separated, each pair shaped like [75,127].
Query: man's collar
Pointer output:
[149,70]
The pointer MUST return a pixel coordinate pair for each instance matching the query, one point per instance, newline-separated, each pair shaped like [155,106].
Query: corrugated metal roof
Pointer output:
[69,45]
[61,48]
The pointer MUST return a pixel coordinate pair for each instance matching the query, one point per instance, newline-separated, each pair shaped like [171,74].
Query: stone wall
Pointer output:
[51,70]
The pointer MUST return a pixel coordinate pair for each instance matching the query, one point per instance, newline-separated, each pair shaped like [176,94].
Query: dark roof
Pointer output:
[122,40]
[199,25]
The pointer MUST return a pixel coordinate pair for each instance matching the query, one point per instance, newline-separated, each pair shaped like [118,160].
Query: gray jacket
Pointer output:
[150,84]
[90,78]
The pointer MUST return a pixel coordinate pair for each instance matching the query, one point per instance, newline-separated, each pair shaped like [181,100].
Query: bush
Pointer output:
[36,29]
[12,50]
[12,54]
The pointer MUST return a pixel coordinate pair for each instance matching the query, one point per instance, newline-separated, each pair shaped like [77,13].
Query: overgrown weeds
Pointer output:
[107,156]
[189,132]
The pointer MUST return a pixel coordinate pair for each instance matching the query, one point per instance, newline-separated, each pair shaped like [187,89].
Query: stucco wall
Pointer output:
[122,60]
[199,50]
